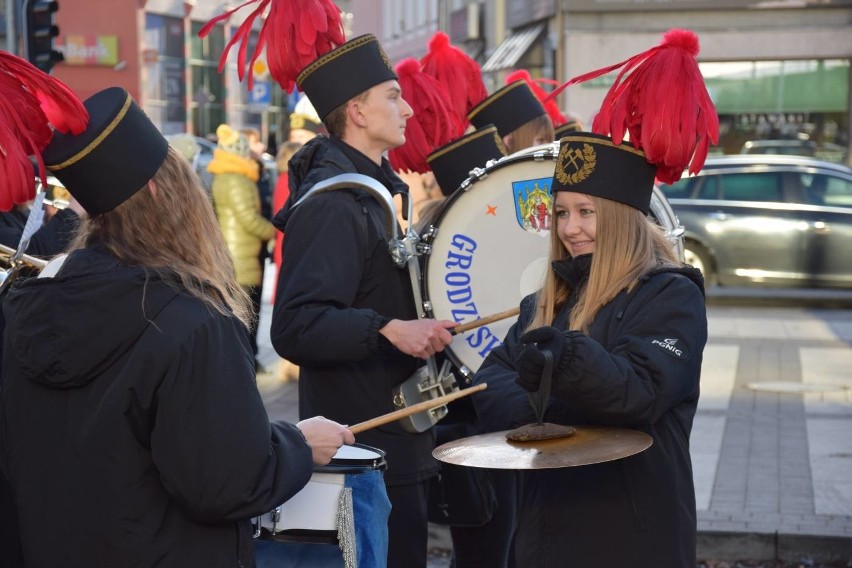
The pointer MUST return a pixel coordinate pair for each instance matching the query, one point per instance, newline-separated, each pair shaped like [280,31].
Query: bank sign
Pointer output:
[89,49]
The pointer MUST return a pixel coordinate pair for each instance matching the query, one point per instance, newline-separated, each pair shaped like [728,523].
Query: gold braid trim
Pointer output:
[334,54]
[502,92]
[603,142]
[469,138]
[96,142]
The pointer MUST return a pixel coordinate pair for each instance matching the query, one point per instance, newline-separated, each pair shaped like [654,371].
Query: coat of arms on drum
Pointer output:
[533,204]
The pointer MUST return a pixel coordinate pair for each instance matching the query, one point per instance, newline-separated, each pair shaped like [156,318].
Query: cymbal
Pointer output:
[589,445]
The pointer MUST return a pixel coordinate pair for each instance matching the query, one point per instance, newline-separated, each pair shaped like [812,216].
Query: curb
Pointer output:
[779,297]
[730,546]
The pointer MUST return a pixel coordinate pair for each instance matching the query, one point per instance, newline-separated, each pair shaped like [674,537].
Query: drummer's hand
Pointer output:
[419,338]
[324,437]
[530,363]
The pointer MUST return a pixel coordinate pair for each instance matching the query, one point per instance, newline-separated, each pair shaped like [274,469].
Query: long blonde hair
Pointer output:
[172,233]
[628,245]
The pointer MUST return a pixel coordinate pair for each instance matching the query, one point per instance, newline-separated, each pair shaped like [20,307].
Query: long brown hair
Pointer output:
[628,245]
[525,135]
[173,232]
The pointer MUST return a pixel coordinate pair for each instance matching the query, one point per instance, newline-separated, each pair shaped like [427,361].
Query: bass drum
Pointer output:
[488,248]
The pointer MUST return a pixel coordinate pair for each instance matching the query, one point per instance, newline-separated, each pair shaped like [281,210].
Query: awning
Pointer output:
[513,48]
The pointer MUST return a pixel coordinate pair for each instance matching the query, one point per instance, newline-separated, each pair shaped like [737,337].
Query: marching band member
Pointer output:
[623,324]
[343,312]
[519,116]
[131,427]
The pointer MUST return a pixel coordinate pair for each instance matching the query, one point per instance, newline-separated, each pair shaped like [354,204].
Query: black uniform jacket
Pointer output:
[337,287]
[638,368]
[131,427]
[52,238]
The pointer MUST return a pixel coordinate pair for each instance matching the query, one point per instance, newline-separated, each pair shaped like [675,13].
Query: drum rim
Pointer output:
[355,465]
[466,184]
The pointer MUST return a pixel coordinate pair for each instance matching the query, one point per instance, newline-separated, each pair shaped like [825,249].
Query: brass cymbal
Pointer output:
[588,445]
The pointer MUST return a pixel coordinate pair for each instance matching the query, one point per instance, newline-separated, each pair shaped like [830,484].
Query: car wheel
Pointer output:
[699,257]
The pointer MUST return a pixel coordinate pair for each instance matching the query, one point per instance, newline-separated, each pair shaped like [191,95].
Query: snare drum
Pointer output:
[344,503]
[489,244]
[312,514]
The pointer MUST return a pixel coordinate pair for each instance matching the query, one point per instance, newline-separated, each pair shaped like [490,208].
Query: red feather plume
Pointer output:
[549,104]
[659,97]
[457,71]
[434,123]
[30,102]
[296,32]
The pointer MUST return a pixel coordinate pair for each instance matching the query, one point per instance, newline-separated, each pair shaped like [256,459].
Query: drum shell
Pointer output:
[486,253]
[311,514]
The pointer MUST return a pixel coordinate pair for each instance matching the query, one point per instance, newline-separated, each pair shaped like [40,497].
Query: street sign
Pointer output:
[258,96]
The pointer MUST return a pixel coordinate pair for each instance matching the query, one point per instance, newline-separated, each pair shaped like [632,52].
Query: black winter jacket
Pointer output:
[337,287]
[131,427]
[638,367]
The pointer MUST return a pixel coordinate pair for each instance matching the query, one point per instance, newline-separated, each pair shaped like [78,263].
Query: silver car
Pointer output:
[767,221]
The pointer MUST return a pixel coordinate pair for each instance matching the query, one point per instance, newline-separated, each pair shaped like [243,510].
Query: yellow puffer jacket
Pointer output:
[237,204]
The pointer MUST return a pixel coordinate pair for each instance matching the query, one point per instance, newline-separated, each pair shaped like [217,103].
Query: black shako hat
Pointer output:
[452,162]
[507,108]
[117,154]
[345,72]
[592,164]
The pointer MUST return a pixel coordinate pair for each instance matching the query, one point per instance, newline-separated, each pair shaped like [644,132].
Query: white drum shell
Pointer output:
[314,508]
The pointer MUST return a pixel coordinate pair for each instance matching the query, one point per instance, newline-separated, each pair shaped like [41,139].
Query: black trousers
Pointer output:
[408,530]
[490,546]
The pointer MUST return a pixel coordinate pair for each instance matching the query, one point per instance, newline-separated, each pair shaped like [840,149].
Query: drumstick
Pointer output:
[483,321]
[414,409]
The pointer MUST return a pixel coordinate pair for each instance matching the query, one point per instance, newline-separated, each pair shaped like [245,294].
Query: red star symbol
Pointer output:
[492,210]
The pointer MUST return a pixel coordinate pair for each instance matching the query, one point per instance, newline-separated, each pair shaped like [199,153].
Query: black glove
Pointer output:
[530,363]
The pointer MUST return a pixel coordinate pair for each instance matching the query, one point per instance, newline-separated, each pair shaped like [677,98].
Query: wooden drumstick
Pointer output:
[414,409]
[461,328]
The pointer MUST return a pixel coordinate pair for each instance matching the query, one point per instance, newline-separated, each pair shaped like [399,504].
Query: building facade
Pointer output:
[152,49]
[776,69]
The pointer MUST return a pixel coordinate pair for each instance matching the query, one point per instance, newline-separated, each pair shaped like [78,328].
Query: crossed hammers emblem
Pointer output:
[572,156]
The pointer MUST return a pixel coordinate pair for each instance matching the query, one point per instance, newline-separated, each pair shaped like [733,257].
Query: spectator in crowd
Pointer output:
[238,207]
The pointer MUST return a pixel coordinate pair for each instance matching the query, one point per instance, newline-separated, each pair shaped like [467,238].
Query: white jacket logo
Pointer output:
[669,346]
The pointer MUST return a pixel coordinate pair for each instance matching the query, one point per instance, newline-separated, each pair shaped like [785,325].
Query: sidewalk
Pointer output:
[772,440]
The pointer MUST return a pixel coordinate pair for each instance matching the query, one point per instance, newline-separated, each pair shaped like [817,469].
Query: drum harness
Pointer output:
[428,382]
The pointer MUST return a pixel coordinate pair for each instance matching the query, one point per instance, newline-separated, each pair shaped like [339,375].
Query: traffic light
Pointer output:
[39,31]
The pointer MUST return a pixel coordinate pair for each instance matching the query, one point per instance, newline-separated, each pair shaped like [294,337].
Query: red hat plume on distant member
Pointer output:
[660,99]
[535,84]
[31,101]
[434,122]
[296,31]
[457,71]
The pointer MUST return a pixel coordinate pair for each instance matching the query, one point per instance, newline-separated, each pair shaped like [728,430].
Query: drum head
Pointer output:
[356,458]
[489,248]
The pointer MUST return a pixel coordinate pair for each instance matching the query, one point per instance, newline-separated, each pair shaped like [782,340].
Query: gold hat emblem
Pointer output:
[575,165]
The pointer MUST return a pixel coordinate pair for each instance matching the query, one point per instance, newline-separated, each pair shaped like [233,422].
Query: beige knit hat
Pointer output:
[232,141]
